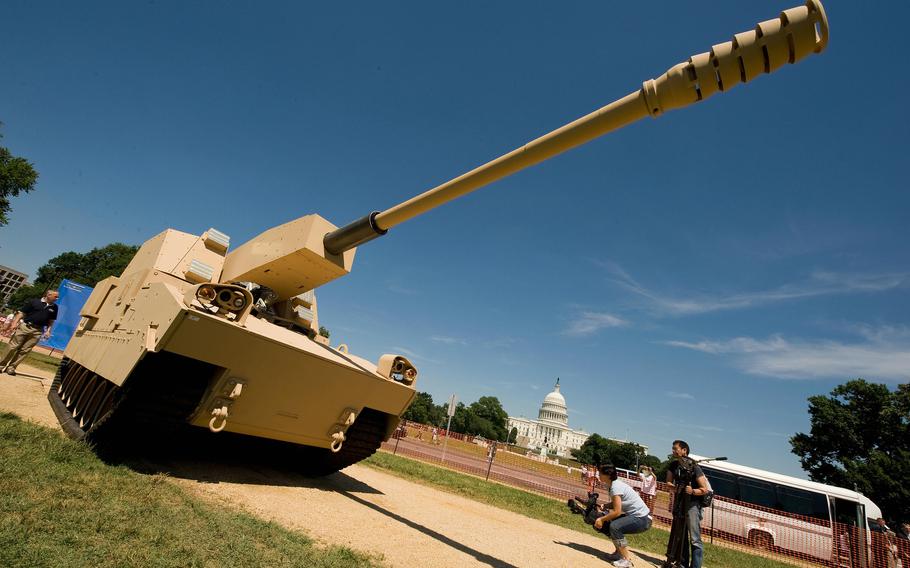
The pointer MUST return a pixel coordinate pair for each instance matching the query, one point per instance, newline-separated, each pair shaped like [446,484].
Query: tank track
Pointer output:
[363,438]
[155,403]
[157,399]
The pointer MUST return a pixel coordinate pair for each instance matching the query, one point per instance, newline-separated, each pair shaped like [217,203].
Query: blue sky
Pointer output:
[696,276]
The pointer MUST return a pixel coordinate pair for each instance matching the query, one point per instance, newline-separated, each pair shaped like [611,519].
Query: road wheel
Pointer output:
[761,539]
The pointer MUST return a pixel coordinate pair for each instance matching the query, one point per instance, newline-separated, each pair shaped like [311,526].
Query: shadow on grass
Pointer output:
[595,552]
[225,458]
[652,559]
[603,555]
[246,473]
[238,459]
[476,554]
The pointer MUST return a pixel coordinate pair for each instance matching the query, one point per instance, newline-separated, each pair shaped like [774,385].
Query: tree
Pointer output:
[23,294]
[860,438]
[598,450]
[595,450]
[460,419]
[489,408]
[485,417]
[488,419]
[86,268]
[17,175]
[421,409]
[424,411]
[513,435]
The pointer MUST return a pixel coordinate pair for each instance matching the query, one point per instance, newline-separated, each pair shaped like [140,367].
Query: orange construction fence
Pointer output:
[789,537]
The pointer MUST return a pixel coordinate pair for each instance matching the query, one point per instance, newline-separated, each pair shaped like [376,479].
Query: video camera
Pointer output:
[587,507]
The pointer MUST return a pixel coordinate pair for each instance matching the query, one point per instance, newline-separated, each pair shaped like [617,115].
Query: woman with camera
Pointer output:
[628,514]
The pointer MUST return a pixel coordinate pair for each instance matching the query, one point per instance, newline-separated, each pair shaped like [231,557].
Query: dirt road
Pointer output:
[405,524]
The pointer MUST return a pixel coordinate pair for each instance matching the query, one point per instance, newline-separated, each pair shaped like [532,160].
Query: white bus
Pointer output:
[782,513]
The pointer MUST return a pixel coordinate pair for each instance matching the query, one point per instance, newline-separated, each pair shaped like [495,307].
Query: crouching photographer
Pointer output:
[627,514]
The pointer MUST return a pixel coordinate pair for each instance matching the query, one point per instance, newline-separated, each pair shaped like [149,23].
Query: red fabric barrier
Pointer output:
[760,530]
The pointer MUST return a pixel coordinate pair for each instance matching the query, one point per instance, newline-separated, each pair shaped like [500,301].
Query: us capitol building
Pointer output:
[550,433]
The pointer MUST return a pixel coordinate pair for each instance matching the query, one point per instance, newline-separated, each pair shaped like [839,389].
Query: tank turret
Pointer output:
[194,336]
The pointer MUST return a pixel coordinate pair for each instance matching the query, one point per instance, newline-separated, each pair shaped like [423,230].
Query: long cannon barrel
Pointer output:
[792,36]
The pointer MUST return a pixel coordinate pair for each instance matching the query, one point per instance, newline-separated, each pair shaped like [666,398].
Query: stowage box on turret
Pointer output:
[192,334]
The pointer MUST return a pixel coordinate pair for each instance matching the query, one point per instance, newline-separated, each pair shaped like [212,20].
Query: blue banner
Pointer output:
[72,297]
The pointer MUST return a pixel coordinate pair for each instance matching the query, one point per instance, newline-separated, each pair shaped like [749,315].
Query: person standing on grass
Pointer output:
[648,485]
[689,487]
[628,515]
[591,480]
[37,318]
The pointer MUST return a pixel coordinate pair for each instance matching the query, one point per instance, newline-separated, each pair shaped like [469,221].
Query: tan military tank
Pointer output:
[194,335]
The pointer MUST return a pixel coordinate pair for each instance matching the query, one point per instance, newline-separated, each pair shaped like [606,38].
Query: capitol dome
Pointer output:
[550,433]
[553,408]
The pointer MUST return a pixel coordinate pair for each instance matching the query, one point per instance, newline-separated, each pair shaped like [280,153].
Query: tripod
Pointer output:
[678,545]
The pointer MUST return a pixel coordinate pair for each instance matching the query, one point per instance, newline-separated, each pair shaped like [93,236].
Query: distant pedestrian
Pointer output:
[879,526]
[34,320]
[435,436]
[648,485]
[587,475]
[892,552]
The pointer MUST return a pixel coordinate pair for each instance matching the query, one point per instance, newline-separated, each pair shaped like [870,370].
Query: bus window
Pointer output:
[849,513]
[722,483]
[850,531]
[757,492]
[802,502]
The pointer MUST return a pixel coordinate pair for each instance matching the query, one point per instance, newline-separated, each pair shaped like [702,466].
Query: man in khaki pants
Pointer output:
[37,318]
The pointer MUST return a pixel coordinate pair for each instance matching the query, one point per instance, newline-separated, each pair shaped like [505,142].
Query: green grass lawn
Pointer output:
[36,359]
[506,457]
[60,506]
[652,542]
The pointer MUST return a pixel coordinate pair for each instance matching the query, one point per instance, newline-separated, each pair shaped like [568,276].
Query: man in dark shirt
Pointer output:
[690,485]
[37,318]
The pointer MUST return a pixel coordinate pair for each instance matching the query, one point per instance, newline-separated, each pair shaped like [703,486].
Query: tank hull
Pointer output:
[176,364]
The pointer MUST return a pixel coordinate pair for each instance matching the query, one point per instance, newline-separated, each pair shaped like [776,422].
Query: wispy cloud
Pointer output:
[405,351]
[775,434]
[588,323]
[448,340]
[882,354]
[819,283]
[735,345]
[682,395]
[413,355]
[500,342]
[710,428]
[397,288]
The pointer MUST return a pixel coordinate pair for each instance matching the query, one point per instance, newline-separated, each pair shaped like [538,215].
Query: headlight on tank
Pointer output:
[205,293]
[225,300]
[397,368]
[232,299]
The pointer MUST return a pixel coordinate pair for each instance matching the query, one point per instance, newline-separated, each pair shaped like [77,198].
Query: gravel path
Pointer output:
[26,395]
[403,523]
